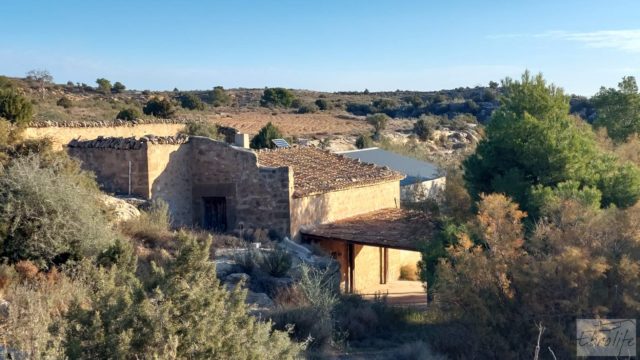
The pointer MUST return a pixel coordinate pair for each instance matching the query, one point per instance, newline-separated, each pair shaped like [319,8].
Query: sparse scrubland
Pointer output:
[539,226]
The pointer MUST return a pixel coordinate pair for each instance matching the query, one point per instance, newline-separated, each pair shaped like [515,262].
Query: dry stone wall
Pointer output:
[62,135]
[255,196]
[111,166]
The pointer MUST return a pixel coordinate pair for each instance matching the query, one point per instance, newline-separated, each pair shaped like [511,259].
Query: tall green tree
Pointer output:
[118,87]
[618,110]
[532,140]
[104,85]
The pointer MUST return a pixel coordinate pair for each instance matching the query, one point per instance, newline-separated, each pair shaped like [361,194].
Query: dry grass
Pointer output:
[409,272]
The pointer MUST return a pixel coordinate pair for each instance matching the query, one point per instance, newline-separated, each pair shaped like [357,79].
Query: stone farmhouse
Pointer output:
[348,207]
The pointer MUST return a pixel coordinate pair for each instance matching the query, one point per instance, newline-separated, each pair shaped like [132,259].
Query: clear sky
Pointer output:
[322,45]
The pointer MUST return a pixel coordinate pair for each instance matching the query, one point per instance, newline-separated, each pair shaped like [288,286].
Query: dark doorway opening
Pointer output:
[215,213]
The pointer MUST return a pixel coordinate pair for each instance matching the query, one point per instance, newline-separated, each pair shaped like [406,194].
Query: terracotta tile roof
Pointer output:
[394,228]
[317,171]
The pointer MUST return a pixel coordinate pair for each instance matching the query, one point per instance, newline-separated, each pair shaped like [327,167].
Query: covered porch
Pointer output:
[376,250]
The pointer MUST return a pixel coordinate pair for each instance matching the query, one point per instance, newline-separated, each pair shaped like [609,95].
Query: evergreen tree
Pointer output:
[187,315]
[265,135]
[15,107]
[531,140]
[619,110]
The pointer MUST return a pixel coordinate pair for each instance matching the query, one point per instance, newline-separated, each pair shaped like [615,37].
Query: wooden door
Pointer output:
[215,213]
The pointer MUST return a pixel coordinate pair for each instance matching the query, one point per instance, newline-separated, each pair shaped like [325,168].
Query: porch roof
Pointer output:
[393,228]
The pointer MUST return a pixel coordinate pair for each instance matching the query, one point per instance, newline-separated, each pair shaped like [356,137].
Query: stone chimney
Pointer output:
[241,140]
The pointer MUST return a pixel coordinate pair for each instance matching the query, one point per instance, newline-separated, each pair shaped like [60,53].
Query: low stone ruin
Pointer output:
[128,143]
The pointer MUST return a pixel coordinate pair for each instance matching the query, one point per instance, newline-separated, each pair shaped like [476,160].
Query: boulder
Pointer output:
[122,210]
[259,301]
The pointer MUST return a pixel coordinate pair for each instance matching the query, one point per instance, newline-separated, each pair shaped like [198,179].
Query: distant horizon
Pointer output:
[93,84]
[331,47]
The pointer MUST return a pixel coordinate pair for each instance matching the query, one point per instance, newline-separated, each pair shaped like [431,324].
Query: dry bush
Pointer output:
[8,275]
[289,297]
[152,226]
[26,269]
[409,272]
[34,322]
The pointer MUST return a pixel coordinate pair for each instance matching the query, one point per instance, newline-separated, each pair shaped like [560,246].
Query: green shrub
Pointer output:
[49,214]
[64,102]
[307,109]
[15,107]
[324,104]
[162,108]
[277,97]
[104,85]
[379,122]
[265,135]
[318,286]
[191,102]
[188,314]
[248,260]
[422,129]
[219,97]
[129,114]
[364,141]
[276,262]
[199,128]
[118,87]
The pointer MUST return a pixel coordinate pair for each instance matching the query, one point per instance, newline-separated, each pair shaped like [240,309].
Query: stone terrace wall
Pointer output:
[336,205]
[255,196]
[62,135]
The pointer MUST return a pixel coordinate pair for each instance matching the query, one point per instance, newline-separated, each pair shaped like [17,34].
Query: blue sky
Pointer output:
[322,45]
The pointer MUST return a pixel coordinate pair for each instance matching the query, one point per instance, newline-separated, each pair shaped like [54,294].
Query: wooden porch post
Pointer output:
[351,259]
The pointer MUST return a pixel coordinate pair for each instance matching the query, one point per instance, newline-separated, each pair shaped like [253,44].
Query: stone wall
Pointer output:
[63,135]
[336,205]
[111,167]
[170,180]
[255,196]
